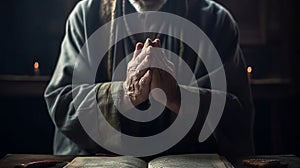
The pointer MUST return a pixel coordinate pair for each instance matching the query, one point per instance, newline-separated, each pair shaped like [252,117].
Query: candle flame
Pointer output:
[249,69]
[36,65]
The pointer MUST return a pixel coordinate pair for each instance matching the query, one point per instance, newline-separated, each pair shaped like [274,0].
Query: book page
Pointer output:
[188,160]
[107,162]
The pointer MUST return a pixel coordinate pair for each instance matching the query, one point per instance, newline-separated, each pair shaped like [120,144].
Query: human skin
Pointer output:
[142,77]
[147,5]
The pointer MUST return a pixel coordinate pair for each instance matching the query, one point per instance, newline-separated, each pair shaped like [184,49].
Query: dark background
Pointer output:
[32,30]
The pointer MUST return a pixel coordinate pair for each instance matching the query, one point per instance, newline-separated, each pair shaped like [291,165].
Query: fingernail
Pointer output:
[148,41]
[157,42]
[138,46]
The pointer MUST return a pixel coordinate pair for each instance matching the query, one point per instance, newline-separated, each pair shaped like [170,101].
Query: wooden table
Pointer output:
[11,160]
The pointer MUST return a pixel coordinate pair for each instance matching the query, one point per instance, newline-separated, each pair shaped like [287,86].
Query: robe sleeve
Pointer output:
[234,133]
[66,100]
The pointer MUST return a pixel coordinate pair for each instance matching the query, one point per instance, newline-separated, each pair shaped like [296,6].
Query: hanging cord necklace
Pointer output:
[132,36]
[134,41]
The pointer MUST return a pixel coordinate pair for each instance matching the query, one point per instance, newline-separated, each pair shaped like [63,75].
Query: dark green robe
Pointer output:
[232,137]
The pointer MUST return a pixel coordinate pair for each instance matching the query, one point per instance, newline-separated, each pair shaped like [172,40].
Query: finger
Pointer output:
[152,54]
[145,84]
[139,67]
[137,90]
[155,78]
[148,43]
[145,64]
[157,59]
[136,76]
[146,79]
[138,49]
[161,61]
[142,88]
[161,56]
[142,55]
[170,67]
[157,43]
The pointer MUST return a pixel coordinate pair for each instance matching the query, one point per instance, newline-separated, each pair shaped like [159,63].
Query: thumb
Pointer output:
[155,78]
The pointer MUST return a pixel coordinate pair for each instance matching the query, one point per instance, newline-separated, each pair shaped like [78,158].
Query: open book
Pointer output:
[170,161]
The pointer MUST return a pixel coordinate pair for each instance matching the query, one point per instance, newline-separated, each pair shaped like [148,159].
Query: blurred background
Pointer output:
[31,33]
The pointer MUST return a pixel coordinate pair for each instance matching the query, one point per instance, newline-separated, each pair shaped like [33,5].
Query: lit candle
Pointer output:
[249,71]
[36,68]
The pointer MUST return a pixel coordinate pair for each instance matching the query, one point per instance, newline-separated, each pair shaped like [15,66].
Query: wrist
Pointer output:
[174,105]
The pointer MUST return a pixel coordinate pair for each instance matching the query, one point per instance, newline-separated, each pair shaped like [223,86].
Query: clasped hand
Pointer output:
[144,75]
